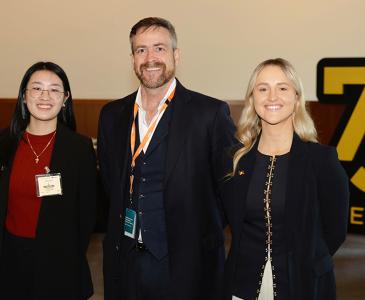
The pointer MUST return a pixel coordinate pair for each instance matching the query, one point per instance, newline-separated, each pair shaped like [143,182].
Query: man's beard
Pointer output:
[153,82]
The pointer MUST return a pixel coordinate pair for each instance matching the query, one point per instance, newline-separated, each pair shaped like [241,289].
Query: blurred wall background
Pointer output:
[221,41]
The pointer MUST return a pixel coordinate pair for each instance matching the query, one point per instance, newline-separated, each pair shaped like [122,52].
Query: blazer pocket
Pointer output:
[323,265]
[213,240]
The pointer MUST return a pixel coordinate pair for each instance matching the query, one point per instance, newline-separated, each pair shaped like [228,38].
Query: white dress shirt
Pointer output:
[142,123]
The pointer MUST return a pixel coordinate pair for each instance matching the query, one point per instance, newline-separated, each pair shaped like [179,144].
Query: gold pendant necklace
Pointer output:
[44,149]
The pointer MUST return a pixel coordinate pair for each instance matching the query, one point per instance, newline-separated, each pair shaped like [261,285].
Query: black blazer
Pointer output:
[65,222]
[200,128]
[317,200]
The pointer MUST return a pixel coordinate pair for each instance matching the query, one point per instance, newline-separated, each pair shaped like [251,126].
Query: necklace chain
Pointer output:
[44,149]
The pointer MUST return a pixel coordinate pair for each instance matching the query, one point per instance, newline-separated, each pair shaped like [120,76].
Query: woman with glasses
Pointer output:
[287,197]
[47,193]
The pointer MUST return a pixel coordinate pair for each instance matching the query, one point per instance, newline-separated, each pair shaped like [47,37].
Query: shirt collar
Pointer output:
[171,88]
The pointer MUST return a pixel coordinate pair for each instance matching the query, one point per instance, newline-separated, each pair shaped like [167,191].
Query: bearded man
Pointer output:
[159,152]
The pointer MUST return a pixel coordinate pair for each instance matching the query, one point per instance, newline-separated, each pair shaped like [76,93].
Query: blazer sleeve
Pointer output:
[87,194]
[222,141]
[102,152]
[333,187]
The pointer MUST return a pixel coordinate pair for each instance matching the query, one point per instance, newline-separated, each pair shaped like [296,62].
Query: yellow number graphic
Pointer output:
[334,80]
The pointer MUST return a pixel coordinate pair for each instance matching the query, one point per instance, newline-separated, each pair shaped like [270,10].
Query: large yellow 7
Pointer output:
[334,80]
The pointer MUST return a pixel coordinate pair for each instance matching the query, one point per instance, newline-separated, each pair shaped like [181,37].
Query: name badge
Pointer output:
[130,221]
[48,184]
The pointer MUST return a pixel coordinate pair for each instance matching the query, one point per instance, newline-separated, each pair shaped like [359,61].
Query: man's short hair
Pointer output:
[149,22]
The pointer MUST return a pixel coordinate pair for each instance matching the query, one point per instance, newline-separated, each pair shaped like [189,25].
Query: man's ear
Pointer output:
[177,55]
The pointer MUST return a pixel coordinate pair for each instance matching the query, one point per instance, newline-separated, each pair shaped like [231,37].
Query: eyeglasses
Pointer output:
[53,93]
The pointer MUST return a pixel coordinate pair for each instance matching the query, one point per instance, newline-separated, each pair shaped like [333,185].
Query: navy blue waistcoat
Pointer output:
[148,190]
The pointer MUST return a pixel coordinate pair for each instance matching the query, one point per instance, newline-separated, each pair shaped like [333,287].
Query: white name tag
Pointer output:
[48,184]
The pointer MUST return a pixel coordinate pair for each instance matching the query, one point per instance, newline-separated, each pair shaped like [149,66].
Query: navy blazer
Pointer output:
[200,128]
[65,221]
[316,210]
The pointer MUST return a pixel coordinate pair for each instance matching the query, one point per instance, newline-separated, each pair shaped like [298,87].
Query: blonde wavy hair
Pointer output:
[249,124]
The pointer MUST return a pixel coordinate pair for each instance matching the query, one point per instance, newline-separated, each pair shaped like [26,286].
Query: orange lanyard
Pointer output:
[151,128]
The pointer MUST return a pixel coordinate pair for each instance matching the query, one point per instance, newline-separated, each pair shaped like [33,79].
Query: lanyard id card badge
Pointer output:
[130,222]
[49,184]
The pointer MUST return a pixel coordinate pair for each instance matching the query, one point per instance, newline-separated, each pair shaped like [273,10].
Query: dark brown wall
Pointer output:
[326,116]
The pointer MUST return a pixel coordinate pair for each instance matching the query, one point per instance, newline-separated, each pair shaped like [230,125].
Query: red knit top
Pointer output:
[23,203]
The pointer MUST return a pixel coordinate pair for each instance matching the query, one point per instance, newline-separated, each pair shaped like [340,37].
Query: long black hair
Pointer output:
[21,115]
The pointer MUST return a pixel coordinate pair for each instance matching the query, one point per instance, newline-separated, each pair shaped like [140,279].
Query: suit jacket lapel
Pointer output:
[59,149]
[242,180]
[295,190]
[179,127]
[122,136]
[160,133]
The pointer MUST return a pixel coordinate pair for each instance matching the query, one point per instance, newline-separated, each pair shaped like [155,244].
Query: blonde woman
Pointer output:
[286,199]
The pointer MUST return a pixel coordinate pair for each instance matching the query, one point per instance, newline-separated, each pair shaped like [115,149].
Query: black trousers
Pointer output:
[144,277]
[17,264]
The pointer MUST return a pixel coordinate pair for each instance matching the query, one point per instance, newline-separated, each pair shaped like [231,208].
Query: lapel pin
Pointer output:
[241,172]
